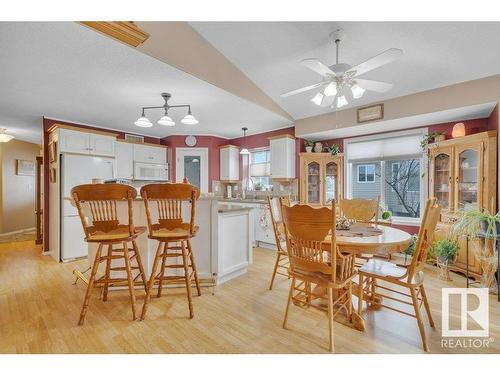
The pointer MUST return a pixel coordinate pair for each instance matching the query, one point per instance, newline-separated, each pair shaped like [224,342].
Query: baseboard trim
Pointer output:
[17,232]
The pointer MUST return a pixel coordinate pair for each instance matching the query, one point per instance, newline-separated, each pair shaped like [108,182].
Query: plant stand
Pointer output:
[490,264]
[444,270]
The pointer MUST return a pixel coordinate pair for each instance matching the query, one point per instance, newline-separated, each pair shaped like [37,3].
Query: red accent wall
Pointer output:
[210,142]
[471,127]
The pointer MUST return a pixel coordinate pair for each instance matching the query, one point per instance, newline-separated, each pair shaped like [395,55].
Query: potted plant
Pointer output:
[475,223]
[333,149]
[446,252]
[309,145]
[434,137]
[411,248]
[386,215]
[258,186]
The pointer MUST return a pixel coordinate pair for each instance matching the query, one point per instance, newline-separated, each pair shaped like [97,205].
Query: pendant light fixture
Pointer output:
[5,137]
[244,150]
[166,120]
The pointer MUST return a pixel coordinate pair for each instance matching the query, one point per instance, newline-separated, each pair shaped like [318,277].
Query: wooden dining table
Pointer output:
[373,239]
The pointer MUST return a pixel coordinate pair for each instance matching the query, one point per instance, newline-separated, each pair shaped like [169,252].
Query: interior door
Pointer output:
[193,164]
[468,177]
[441,179]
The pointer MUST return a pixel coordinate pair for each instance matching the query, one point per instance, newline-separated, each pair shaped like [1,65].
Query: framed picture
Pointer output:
[371,113]
[52,152]
[52,175]
[25,167]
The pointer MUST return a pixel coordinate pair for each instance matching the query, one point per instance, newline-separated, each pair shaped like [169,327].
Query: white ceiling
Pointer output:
[456,114]
[66,71]
[435,54]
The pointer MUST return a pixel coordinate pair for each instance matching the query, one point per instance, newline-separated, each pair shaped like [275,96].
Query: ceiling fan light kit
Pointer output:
[341,79]
[4,137]
[166,120]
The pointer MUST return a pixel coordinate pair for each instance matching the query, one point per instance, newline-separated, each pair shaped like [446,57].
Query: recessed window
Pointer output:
[366,173]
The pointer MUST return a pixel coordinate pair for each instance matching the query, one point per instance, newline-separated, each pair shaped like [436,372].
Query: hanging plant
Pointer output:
[426,139]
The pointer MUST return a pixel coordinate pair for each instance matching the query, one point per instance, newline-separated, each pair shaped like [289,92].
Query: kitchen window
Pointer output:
[366,173]
[260,169]
[391,166]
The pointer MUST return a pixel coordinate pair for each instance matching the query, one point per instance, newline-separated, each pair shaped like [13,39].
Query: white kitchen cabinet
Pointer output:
[282,156]
[81,142]
[229,163]
[150,154]
[124,153]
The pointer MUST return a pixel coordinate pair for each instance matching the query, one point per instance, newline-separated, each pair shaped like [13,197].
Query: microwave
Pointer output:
[150,171]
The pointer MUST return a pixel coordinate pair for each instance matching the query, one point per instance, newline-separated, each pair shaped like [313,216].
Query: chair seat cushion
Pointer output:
[377,267]
[175,233]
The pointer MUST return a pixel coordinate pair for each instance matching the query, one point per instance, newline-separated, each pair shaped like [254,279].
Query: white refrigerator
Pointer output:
[78,170]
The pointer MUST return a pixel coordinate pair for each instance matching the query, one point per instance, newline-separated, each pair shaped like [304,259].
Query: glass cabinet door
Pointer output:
[331,182]
[313,183]
[468,179]
[442,179]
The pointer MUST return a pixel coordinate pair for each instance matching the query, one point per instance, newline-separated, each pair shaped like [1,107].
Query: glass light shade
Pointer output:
[143,122]
[189,119]
[318,98]
[357,91]
[331,89]
[341,101]
[166,121]
[5,137]
[244,151]
[458,130]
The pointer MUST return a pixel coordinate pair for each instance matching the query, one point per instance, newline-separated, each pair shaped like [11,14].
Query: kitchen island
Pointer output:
[222,246]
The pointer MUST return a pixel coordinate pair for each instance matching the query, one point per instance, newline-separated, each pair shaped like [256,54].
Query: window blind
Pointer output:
[384,148]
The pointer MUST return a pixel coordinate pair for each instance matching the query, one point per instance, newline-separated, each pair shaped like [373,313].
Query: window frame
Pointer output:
[250,159]
[366,174]
[424,188]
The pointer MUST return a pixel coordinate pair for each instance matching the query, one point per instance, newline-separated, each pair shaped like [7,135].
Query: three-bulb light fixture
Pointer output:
[337,88]
[166,120]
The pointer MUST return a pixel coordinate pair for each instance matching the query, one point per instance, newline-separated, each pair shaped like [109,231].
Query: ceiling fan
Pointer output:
[339,78]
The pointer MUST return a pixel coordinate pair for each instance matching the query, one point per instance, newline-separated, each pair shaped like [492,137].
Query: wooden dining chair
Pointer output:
[97,208]
[410,278]
[363,210]
[316,260]
[279,237]
[167,225]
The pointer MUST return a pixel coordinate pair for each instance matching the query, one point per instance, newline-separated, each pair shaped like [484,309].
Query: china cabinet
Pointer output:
[463,176]
[321,178]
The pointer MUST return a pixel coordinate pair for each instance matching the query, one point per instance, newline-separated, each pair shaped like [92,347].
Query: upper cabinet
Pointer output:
[321,178]
[463,172]
[86,143]
[229,163]
[150,154]
[282,157]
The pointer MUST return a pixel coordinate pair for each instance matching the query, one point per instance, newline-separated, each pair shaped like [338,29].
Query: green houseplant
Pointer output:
[308,145]
[446,251]
[475,223]
[334,149]
[434,137]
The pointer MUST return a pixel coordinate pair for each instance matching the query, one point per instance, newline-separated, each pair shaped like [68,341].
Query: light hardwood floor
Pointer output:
[39,309]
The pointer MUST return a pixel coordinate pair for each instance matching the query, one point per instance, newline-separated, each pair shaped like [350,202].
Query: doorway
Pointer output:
[193,164]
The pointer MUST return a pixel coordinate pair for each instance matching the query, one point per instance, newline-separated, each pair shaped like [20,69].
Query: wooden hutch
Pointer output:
[463,176]
[321,178]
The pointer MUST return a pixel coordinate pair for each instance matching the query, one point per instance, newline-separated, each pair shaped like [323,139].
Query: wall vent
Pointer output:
[134,138]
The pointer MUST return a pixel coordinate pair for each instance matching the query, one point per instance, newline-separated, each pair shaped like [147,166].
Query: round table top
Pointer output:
[389,241]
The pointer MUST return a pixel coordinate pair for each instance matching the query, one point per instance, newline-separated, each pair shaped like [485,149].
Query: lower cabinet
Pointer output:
[472,247]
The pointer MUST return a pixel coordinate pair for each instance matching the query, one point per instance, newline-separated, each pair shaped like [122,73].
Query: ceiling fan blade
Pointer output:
[376,86]
[302,89]
[317,66]
[375,62]
[327,101]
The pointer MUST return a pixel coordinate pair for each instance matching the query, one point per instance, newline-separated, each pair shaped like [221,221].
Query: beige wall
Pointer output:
[18,192]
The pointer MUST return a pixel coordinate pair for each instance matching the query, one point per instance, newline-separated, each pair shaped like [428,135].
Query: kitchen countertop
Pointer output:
[231,208]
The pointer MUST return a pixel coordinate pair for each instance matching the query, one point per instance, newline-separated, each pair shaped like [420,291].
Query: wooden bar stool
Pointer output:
[174,235]
[97,207]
